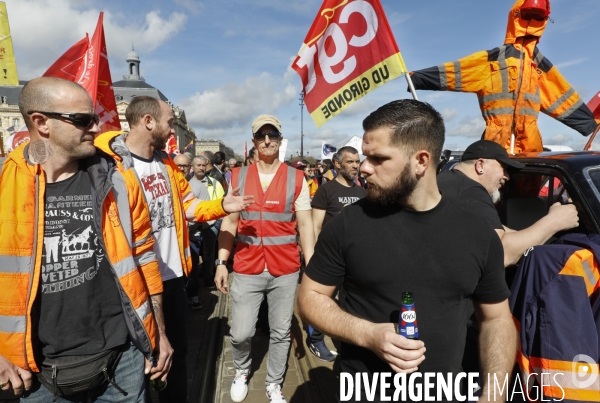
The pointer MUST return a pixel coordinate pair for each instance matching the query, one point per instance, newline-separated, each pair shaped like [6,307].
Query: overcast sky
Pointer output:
[227,61]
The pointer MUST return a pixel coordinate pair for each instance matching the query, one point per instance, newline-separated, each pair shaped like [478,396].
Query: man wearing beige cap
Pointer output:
[266,256]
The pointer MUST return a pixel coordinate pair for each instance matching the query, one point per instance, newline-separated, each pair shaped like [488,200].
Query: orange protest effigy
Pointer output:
[514,82]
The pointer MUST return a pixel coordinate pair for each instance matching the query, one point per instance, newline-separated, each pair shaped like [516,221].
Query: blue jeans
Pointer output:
[247,293]
[129,375]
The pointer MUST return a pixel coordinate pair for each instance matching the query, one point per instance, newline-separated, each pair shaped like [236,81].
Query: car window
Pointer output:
[548,188]
[528,196]
[593,175]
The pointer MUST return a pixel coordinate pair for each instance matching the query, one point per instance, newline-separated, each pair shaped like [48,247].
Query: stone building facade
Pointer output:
[214,146]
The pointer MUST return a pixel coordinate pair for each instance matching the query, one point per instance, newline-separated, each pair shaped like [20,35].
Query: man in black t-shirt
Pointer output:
[405,236]
[475,183]
[329,200]
[85,289]
[334,195]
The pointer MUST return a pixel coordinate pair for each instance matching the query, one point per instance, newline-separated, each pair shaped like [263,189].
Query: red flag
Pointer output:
[171,147]
[349,51]
[594,105]
[94,76]
[68,64]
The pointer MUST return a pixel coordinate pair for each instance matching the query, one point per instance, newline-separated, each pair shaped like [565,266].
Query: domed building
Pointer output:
[133,85]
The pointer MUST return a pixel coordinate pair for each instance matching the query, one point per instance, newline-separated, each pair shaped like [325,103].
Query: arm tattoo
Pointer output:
[40,151]
[158,312]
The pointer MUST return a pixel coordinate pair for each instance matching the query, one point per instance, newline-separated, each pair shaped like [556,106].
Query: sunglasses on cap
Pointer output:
[84,120]
[273,136]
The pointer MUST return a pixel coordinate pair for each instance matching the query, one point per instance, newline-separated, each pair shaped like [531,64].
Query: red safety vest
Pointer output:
[267,229]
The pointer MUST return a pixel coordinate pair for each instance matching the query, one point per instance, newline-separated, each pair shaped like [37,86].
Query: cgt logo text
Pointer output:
[431,386]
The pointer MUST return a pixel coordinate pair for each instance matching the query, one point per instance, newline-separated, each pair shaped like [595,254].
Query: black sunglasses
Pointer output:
[260,136]
[84,120]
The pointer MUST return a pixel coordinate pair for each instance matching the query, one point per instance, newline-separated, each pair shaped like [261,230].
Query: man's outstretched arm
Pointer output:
[318,308]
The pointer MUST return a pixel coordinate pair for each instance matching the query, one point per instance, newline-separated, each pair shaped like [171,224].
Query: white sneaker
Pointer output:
[274,393]
[239,386]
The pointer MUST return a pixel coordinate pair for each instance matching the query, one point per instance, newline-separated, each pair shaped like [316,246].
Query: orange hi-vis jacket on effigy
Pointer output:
[124,232]
[185,206]
[513,83]
[267,229]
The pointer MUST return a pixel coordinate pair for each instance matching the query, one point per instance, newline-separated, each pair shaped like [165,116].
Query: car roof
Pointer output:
[570,159]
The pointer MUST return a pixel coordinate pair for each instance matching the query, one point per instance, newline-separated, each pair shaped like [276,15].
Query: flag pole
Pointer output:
[411,86]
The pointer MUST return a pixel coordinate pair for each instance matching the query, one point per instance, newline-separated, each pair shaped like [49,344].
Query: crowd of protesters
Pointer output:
[104,240]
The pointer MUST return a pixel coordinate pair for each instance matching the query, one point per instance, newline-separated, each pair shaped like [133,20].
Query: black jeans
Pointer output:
[175,314]
[193,282]
[209,248]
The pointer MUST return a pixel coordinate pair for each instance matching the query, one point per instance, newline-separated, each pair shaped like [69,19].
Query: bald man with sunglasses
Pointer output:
[81,283]
[266,256]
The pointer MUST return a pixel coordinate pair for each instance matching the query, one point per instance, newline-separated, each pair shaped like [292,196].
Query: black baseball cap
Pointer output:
[490,150]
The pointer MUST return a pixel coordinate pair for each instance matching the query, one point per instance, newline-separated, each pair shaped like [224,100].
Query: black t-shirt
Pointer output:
[332,197]
[444,256]
[79,304]
[470,194]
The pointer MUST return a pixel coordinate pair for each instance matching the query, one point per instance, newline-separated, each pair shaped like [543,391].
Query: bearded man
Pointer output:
[406,236]
[475,183]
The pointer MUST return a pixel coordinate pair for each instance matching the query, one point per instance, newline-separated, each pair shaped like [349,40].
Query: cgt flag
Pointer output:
[349,51]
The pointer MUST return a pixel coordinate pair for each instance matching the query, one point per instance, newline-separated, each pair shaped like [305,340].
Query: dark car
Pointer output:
[550,177]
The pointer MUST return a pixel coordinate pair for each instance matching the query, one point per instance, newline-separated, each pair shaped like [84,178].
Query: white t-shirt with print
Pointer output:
[160,205]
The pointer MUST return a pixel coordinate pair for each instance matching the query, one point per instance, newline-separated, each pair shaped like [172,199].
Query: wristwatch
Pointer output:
[219,262]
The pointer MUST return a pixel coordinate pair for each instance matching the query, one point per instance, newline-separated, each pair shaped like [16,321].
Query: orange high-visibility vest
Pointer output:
[267,229]
[185,205]
[126,234]
[513,83]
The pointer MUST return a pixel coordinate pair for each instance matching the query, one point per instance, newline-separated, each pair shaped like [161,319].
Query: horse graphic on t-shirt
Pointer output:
[76,243]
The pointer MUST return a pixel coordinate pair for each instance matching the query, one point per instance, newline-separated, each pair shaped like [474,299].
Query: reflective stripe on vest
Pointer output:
[12,324]
[569,111]
[497,112]
[267,240]
[15,264]
[562,378]
[505,95]
[533,97]
[443,78]
[144,310]
[287,215]
[457,77]
[560,101]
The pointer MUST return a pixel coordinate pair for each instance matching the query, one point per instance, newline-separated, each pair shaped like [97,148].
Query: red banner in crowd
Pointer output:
[67,65]
[349,51]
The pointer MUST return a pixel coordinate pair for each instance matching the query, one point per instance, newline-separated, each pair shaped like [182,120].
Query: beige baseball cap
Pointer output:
[262,120]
